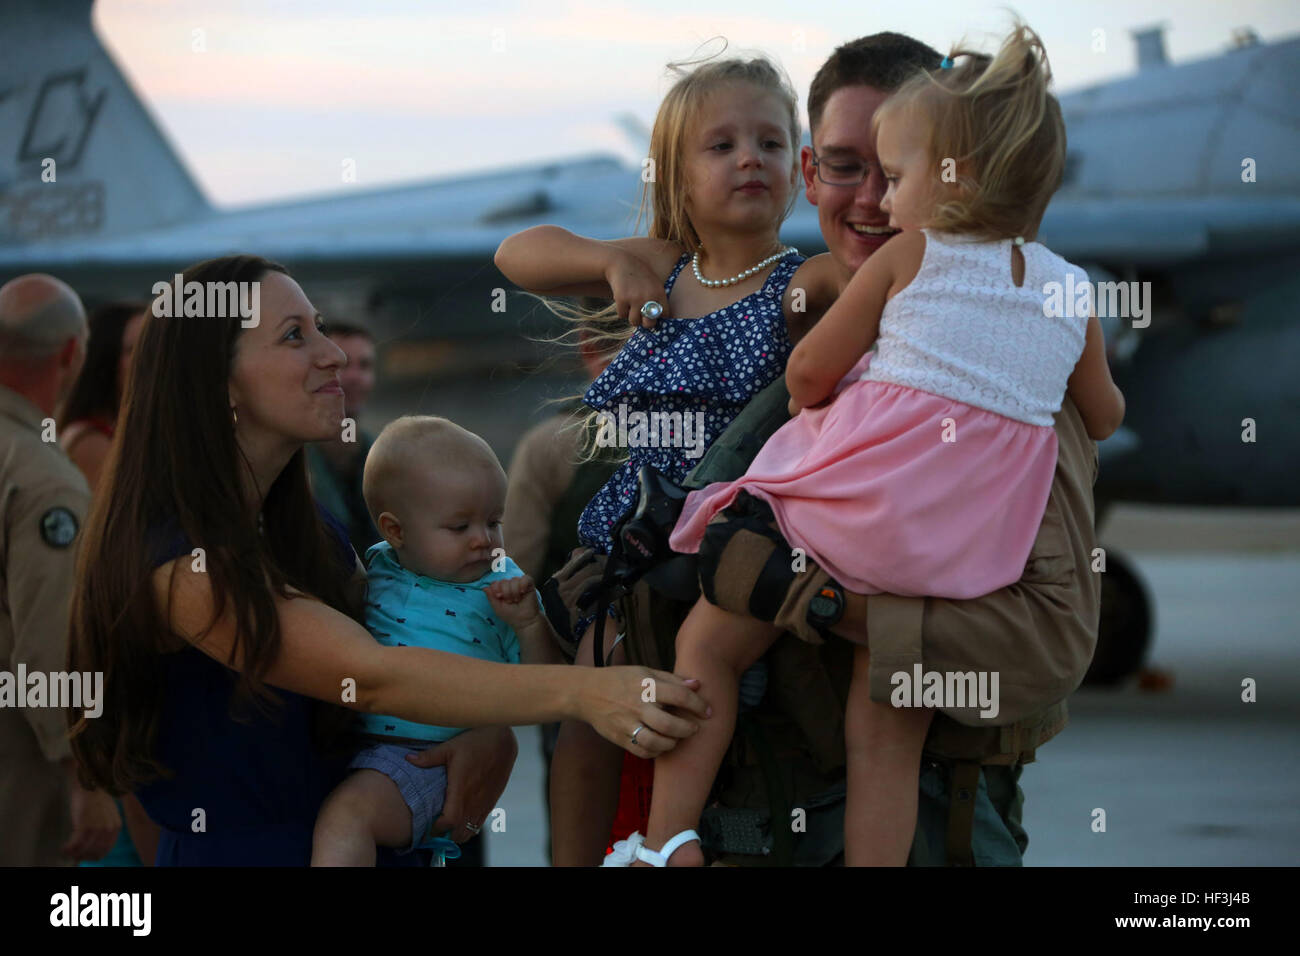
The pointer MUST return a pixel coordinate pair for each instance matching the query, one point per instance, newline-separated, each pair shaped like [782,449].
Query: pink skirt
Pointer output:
[870,489]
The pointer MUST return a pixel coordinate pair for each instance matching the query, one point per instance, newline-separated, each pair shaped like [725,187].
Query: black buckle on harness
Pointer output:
[639,546]
[826,606]
[772,586]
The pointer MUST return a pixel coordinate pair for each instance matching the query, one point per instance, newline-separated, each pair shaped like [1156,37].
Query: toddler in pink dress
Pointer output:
[929,471]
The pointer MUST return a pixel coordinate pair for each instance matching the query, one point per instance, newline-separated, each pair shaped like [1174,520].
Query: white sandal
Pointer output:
[634,848]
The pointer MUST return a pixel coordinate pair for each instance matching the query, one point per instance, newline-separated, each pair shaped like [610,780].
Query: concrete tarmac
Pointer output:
[1192,775]
[1187,776]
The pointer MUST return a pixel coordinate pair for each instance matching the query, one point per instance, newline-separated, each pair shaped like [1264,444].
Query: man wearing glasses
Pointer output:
[1038,633]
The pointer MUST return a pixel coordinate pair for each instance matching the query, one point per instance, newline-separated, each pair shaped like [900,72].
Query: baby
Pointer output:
[439,579]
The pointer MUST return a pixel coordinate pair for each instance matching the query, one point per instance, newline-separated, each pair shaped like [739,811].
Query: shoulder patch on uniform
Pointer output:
[58,527]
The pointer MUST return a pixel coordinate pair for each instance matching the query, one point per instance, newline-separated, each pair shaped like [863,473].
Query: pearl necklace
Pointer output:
[758,267]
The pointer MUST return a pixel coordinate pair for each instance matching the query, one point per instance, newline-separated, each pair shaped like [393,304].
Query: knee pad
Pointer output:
[745,564]
[746,567]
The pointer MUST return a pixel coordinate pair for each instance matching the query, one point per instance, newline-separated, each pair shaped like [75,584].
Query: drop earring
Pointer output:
[234,416]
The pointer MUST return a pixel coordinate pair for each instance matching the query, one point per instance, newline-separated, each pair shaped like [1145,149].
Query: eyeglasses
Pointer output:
[849,171]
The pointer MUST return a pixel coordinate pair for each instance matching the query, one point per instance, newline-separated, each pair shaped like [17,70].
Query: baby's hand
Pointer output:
[514,601]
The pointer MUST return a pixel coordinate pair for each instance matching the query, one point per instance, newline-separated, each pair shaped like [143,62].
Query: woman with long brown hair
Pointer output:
[85,427]
[208,577]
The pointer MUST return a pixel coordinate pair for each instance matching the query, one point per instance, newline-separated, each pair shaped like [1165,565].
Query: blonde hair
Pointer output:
[663,195]
[996,119]
[412,442]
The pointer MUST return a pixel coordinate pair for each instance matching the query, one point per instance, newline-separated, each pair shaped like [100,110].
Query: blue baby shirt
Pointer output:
[405,609]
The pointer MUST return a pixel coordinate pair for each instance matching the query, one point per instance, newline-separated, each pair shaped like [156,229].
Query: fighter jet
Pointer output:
[1183,187]
[1182,199]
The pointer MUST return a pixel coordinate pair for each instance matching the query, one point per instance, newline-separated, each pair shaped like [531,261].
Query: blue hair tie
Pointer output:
[946,64]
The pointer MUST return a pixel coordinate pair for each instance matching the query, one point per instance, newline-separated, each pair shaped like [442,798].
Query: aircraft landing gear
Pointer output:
[1124,634]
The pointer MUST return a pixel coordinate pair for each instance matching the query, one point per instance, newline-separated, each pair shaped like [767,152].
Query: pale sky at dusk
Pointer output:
[419,89]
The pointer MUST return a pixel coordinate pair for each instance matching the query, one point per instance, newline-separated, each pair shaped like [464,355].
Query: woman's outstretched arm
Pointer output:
[327,655]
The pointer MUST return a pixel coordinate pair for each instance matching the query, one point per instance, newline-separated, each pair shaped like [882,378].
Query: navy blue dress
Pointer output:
[259,783]
[712,365]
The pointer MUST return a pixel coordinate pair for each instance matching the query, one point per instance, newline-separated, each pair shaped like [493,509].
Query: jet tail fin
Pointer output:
[80,156]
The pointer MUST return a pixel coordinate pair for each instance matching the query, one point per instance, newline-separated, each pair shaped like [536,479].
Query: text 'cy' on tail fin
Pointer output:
[80,156]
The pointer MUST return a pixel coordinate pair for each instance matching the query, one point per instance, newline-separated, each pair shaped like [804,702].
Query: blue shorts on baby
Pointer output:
[424,789]
[405,609]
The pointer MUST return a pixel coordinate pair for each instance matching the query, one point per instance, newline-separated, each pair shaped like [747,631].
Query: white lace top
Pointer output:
[963,330]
